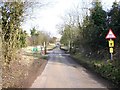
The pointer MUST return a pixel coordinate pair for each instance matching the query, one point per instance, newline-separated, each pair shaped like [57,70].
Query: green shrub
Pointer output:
[109,70]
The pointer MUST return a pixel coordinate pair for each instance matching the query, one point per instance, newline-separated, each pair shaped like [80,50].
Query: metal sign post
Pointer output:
[111,56]
[111,53]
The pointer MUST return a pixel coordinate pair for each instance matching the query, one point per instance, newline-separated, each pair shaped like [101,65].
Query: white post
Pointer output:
[111,56]
[69,46]
[44,44]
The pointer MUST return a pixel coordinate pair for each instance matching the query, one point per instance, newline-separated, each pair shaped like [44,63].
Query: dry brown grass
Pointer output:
[18,71]
[23,70]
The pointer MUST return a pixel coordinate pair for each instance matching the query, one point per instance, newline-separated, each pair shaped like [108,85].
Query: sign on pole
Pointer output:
[111,43]
[111,50]
[110,35]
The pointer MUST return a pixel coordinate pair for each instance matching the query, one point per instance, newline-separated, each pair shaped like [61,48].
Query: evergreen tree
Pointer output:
[114,20]
[94,29]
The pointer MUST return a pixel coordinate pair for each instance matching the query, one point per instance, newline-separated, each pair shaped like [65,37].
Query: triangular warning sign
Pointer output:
[110,35]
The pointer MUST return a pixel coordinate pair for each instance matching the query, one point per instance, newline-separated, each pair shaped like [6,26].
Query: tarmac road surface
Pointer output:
[62,72]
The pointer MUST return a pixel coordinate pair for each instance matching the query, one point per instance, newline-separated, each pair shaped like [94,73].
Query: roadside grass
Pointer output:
[65,48]
[20,68]
[13,76]
[38,55]
[45,57]
[50,47]
[109,70]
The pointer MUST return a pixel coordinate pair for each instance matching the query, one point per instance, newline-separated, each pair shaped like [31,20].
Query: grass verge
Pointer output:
[109,70]
[23,70]
[51,47]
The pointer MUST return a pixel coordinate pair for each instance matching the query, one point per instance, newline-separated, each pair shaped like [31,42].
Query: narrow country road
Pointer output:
[62,72]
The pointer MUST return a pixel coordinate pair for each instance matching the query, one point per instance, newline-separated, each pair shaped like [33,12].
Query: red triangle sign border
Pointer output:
[110,35]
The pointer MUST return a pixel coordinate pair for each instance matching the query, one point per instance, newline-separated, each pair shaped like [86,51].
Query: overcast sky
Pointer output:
[48,17]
